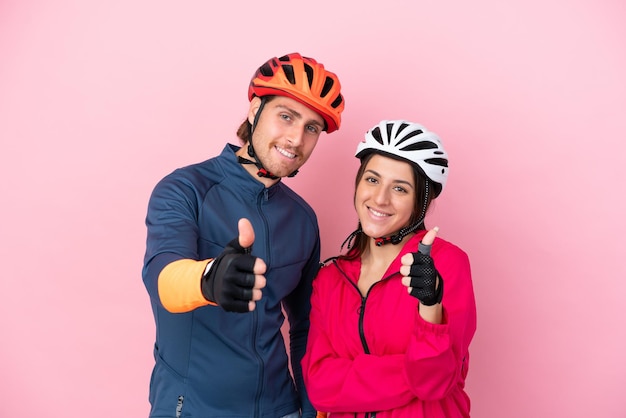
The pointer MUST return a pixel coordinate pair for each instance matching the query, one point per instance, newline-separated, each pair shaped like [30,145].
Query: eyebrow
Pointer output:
[395,181]
[299,115]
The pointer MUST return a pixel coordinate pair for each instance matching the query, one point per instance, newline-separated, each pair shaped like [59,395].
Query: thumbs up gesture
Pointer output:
[235,278]
[420,275]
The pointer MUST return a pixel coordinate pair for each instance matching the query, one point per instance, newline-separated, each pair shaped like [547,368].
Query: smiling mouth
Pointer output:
[377,213]
[285,152]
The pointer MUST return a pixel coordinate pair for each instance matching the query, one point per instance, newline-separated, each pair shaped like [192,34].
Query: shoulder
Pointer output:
[444,248]
[210,169]
[192,178]
[325,278]
[334,267]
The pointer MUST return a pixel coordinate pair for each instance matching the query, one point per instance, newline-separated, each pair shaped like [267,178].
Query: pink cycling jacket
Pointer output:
[374,356]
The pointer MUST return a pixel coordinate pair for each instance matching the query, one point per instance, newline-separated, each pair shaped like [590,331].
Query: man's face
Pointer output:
[285,135]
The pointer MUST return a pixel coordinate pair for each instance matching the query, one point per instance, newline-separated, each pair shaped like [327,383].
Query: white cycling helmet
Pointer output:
[411,142]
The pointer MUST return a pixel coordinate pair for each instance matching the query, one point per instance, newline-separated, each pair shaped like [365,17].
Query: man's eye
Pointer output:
[312,129]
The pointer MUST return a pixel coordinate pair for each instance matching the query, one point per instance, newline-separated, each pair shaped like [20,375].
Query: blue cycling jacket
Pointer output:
[213,363]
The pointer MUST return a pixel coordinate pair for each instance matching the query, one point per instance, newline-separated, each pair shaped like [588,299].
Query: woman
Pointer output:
[386,340]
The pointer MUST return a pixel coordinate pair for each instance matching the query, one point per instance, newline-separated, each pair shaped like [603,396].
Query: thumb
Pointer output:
[246,233]
[428,240]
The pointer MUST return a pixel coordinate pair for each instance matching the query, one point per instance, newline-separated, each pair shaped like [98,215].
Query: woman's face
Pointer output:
[385,196]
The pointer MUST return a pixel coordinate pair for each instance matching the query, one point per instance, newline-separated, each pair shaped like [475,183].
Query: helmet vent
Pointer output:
[309,75]
[402,127]
[328,85]
[288,69]
[410,134]
[420,146]
[437,161]
[266,70]
[337,102]
[376,134]
[389,129]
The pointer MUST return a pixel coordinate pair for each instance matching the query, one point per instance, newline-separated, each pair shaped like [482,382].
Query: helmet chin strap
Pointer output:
[263,172]
[397,238]
[393,239]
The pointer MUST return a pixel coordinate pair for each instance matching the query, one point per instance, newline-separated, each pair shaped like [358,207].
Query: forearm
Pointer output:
[365,383]
[438,345]
[298,335]
[297,352]
[431,366]
[179,285]
[298,308]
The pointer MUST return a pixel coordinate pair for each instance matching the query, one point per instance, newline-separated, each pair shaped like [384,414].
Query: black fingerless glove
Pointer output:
[424,280]
[230,279]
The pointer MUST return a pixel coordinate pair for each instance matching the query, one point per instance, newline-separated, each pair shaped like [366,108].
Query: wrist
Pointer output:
[432,313]
[208,267]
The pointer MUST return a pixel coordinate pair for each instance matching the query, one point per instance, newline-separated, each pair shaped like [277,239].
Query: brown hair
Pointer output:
[244,130]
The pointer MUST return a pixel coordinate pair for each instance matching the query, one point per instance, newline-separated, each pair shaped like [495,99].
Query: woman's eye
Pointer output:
[400,189]
[370,180]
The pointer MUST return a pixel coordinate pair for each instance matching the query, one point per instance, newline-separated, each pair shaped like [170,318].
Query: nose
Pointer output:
[381,196]
[295,136]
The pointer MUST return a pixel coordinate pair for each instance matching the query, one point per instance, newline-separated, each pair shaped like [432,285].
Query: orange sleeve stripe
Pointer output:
[179,286]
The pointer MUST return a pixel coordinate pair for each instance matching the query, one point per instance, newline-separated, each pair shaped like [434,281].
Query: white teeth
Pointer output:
[285,152]
[375,212]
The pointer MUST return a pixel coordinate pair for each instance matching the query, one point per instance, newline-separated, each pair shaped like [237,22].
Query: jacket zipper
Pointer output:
[263,197]
[362,333]
[179,406]
[361,316]
[362,308]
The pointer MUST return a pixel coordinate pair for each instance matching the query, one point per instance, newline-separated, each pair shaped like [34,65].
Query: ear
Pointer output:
[255,103]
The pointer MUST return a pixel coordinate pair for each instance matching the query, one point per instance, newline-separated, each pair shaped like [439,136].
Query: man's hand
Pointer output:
[235,278]
[420,275]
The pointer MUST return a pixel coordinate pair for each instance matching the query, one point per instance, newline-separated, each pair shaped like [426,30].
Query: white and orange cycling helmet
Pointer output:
[411,142]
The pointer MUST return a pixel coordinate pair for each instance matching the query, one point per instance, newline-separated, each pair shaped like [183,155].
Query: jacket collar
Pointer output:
[353,268]
[239,178]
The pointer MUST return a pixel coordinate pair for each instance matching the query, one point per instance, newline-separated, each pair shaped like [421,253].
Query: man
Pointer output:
[230,247]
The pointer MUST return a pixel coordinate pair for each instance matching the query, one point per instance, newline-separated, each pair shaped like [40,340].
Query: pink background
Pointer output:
[100,99]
